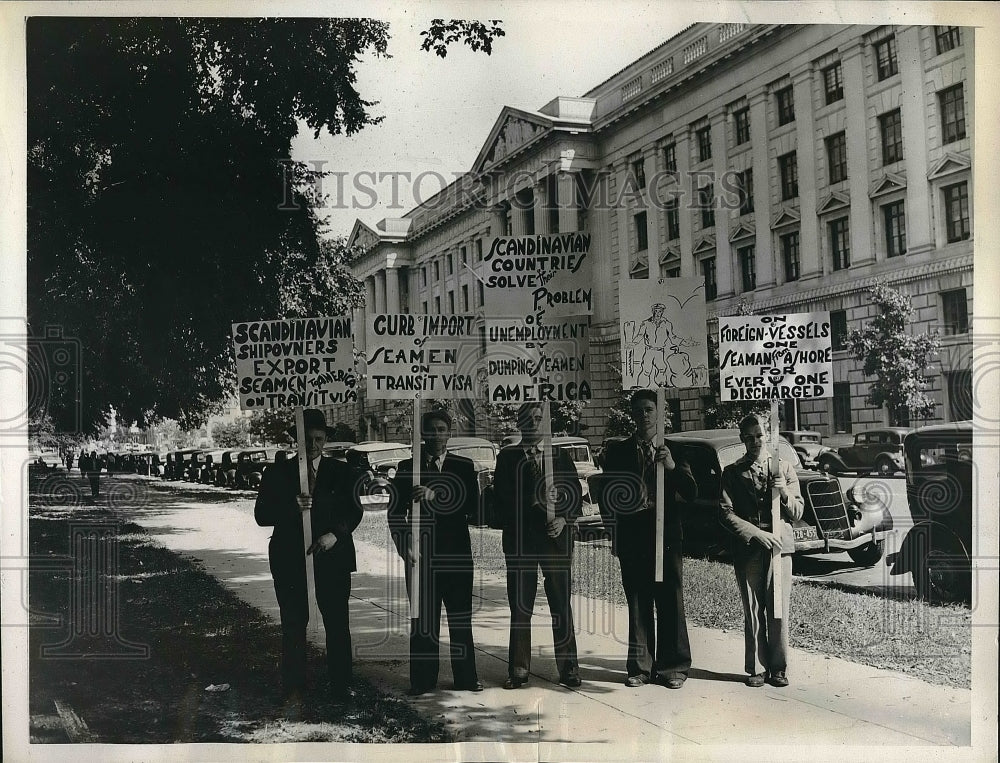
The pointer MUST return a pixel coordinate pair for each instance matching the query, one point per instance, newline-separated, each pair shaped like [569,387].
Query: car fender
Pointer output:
[917,543]
[835,459]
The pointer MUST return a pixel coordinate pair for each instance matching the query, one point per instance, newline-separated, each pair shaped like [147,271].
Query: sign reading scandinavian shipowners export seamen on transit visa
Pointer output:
[303,361]
[775,357]
[433,356]
[538,296]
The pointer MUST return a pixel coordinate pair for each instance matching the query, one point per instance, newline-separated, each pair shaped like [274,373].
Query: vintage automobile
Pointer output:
[337,450]
[193,465]
[937,549]
[373,465]
[177,464]
[808,444]
[225,475]
[44,461]
[832,522]
[484,455]
[877,450]
[210,466]
[250,465]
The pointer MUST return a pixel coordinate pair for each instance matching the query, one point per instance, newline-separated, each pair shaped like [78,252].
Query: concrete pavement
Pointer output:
[829,702]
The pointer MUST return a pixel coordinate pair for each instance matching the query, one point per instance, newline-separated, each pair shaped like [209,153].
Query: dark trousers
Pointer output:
[333,593]
[657,646]
[522,585]
[451,587]
[765,638]
[95,483]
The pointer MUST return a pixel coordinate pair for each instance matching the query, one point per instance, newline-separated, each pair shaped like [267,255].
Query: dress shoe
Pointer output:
[571,679]
[674,681]
[514,682]
[475,686]
[416,691]
[756,681]
[778,679]
[634,682]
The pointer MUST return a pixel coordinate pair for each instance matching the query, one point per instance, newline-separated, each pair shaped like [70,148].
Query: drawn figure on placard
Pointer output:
[663,358]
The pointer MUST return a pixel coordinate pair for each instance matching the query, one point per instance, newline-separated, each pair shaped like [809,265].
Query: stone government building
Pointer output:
[788,165]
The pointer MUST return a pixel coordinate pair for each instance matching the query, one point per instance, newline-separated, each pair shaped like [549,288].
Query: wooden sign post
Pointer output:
[300,438]
[661,422]
[547,477]
[775,512]
[414,560]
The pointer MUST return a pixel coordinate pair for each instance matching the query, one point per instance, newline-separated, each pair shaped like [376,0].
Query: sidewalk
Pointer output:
[830,701]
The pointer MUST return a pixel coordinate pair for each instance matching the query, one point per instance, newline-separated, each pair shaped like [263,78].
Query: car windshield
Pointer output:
[938,454]
[809,438]
[579,453]
[730,454]
[476,453]
[393,454]
[258,456]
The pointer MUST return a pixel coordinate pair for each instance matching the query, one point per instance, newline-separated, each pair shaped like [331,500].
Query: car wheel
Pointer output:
[884,466]
[867,555]
[942,579]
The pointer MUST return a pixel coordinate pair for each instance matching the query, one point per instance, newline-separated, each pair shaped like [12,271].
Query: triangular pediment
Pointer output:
[362,236]
[785,216]
[640,266]
[948,165]
[743,230]
[671,256]
[513,130]
[888,183]
[704,244]
[834,201]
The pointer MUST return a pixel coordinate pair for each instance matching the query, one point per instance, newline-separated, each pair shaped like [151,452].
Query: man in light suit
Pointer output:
[532,541]
[658,650]
[745,510]
[448,495]
[336,512]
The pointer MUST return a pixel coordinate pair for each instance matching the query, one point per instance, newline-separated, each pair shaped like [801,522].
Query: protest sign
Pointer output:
[775,357]
[430,356]
[297,362]
[663,333]
[538,296]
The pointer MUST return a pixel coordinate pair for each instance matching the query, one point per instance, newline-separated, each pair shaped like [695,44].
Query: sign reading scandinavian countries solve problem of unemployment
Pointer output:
[430,356]
[304,361]
[538,299]
[775,357]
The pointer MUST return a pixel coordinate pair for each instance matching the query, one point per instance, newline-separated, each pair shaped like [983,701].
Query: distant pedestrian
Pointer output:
[69,460]
[94,474]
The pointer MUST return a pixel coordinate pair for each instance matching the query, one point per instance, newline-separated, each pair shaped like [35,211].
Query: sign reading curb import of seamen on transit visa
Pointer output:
[538,299]
[775,357]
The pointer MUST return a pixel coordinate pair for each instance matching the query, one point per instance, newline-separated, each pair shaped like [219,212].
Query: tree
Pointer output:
[230,434]
[475,34]
[898,360]
[163,204]
[271,425]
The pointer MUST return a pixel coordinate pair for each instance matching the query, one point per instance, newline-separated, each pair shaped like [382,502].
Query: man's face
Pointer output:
[657,313]
[315,440]
[530,426]
[436,435]
[644,416]
[753,439]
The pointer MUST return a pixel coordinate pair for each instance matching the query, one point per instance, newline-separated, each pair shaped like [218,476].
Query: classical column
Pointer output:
[918,199]
[566,201]
[652,213]
[852,64]
[605,305]
[805,158]
[380,292]
[498,225]
[686,195]
[767,266]
[392,290]
[539,208]
[723,250]
[517,215]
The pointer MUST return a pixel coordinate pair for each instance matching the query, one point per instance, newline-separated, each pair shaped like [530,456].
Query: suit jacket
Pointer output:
[742,510]
[520,503]
[446,517]
[336,508]
[627,500]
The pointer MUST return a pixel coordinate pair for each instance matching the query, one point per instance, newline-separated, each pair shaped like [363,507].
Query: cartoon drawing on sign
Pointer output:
[656,354]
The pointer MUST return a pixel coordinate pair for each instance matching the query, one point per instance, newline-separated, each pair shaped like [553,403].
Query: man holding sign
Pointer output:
[658,650]
[335,513]
[745,510]
[448,495]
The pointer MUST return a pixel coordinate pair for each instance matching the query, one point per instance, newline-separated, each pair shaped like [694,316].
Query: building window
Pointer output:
[704,140]
[482,294]
[956,211]
[641,233]
[885,58]
[465,298]
[836,157]
[838,329]
[748,267]
[960,395]
[437,270]
[952,103]
[437,305]
[833,83]
[946,38]
[708,271]
[673,219]
[742,119]
[670,157]
[423,275]
[745,182]
[956,312]
[790,255]
[464,256]
[672,273]
[479,250]
[894,216]
[451,302]
[842,407]
[639,172]
[673,412]
[891,127]
[706,202]
[840,243]
[788,168]
[423,306]
[786,105]
[451,263]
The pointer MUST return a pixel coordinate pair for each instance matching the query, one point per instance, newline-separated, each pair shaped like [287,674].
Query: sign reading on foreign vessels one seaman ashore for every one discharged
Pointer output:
[775,357]
[433,356]
[538,298]
[304,361]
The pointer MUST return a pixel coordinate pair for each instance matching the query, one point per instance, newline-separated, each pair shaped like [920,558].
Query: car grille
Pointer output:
[829,508]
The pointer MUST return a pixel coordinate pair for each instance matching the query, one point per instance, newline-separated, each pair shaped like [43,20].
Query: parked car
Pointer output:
[877,450]
[209,465]
[250,465]
[831,522]
[484,455]
[44,461]
[178,464]
[937,549]
[374,464]
[225,475]
[338,450]
[808,444]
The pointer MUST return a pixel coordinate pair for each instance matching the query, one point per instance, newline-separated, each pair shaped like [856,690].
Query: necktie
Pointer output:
[533,464]
[431,465]
[312,477]
[647,455]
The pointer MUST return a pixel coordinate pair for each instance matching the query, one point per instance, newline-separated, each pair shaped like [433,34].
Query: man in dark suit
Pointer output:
[448,495]
[532,541]
[659,650]
[745,510]
[336,511]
